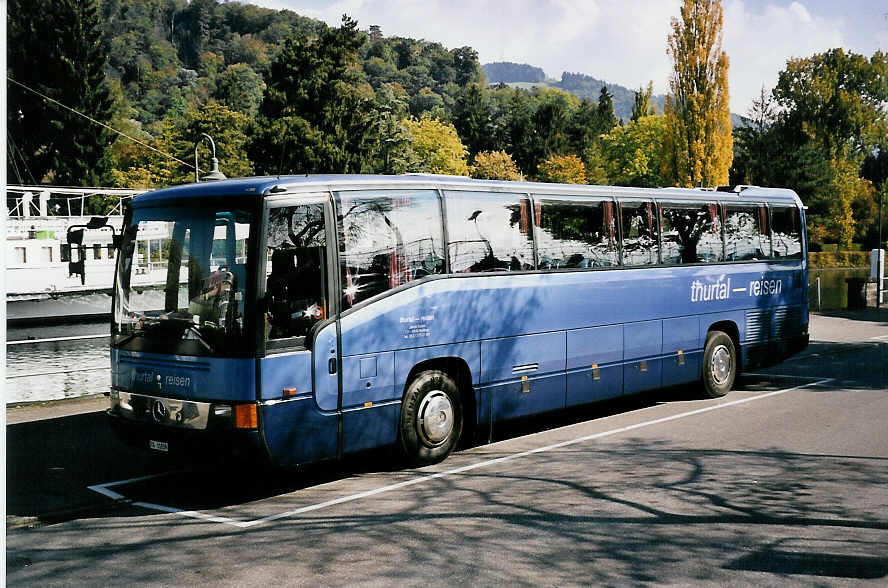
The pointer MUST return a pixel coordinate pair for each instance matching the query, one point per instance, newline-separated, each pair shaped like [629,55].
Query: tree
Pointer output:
[583,129]
[605,119]
[47,141]
[517,130]
[317,116]
[193,29]
[178,137]
[393,153]
[836,99]
[550,123]
[468,69]
[436,147]
[819,133]
[755,143]
[633,152]
[494,165]
[473,119]
[562,169]
[642,105]
[698,148]
[240,88]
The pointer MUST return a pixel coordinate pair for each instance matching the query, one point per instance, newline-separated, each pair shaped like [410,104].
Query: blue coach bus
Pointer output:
[304,318]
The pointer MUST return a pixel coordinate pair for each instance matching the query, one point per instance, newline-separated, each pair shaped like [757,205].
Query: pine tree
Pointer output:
[56,48]
[642,105]
[605,117]
[583,131]
[698,146]
[317,116]
[473,119]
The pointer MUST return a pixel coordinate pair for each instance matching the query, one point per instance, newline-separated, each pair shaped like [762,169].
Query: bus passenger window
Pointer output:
[786,233]
[576,234]
[639,233]
[388,238]
[296,270]
[691,234]
[489,232]
[746,233]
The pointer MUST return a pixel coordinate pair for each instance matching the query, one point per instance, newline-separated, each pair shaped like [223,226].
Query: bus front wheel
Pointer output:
[719,364]
[431,418]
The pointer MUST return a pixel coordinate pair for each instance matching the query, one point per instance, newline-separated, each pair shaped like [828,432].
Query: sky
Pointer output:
[620,41]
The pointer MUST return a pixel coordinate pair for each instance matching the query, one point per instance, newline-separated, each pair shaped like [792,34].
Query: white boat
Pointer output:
[40,284]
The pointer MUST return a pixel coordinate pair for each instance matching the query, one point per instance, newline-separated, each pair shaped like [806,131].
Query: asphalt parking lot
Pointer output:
[783,481]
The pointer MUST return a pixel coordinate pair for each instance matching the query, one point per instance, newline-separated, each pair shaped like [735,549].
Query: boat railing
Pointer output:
[26,202]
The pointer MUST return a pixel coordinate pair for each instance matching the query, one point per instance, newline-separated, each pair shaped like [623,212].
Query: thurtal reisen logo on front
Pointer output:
[722,289]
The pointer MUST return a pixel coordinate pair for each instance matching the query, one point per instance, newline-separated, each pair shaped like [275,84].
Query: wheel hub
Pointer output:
[435,417]
[720,365]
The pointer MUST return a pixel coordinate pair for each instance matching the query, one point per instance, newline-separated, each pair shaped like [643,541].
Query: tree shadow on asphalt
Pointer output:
[51,463]
[632,511]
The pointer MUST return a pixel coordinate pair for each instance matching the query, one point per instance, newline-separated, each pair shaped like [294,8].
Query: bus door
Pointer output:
[299,373]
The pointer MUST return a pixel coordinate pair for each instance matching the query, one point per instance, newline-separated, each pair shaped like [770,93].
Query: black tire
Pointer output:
[431,393]
[719,364]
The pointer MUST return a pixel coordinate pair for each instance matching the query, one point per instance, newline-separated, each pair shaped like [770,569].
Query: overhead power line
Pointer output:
[89,118]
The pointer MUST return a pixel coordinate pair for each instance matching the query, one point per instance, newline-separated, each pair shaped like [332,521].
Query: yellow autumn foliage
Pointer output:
[698,145]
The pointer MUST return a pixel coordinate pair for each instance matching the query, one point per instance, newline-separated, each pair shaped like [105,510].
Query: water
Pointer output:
[59,369]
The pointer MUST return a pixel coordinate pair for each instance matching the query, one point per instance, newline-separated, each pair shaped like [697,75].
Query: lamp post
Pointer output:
[214,173]
[880,261]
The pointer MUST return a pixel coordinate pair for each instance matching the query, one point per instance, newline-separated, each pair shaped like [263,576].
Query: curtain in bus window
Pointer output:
[786,233]
[639,234]
[576,234]
[691,233]
[746,236]
[388,238]
[487,233]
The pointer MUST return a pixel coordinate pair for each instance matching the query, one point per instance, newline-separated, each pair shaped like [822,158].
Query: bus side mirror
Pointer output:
[116,241]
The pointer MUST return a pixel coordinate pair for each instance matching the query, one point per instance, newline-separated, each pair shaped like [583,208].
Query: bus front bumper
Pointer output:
[179,429]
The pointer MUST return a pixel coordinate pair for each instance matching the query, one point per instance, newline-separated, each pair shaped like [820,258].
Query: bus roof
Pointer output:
[258,187]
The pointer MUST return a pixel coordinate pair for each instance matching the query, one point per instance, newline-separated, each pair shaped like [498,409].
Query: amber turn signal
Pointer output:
[245,416]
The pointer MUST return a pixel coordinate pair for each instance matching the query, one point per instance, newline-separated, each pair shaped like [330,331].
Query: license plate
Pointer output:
[158,445]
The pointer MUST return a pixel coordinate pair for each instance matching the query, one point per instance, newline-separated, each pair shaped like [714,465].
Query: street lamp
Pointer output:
[879,252]
[214,173]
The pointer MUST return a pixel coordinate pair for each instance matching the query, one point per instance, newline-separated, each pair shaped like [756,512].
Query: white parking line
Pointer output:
[104,488]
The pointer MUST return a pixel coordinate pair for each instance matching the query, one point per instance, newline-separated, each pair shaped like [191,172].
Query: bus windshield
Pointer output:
[182,280]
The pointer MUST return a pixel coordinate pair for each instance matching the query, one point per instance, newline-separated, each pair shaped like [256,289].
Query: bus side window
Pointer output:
[489,232]
[639,221]
[296,270]
[576,234]
[746,233]
[388,238]
[786,233]
[691,234]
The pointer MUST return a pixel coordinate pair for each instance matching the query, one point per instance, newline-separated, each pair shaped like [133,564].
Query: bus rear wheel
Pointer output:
[431,418]
[719,364]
